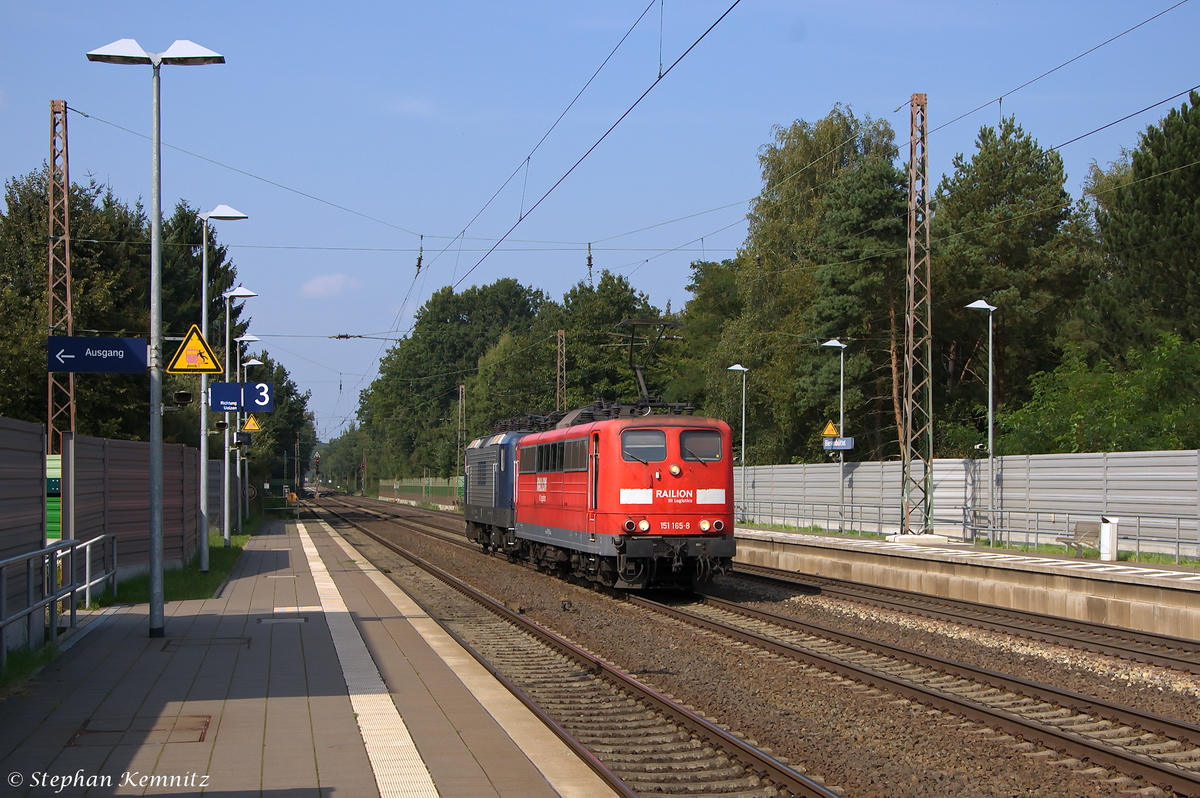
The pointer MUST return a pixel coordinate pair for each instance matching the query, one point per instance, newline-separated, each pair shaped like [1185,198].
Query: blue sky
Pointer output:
[414,114]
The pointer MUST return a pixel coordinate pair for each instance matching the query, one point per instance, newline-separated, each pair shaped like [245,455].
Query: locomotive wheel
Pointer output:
[608,571]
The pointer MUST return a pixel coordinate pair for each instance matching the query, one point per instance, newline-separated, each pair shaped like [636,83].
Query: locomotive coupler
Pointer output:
[678,549]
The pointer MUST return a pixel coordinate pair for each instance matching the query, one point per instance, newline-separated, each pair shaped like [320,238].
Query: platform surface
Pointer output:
[310,675]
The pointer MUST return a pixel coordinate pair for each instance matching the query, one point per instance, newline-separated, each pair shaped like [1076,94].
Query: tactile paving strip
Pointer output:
[399,769]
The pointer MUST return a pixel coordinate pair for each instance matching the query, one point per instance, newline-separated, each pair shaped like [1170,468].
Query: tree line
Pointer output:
[1097,327]
[110,268]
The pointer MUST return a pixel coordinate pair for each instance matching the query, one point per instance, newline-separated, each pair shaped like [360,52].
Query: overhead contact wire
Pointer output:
[1060,66]
[605,135]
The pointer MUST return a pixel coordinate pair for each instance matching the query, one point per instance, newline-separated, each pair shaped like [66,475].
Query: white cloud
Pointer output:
[329,285]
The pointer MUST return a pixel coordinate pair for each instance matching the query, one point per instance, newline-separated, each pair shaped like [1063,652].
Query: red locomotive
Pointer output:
[630,495]
[631,501]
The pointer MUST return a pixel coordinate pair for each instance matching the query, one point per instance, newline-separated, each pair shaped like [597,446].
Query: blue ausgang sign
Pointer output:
[111,355]
[235,397]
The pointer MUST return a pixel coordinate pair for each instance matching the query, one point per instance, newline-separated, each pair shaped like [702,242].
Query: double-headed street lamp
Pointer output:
[743,369]
[222,212]
[183,53]
[241,292]
[841,347]
[979,304]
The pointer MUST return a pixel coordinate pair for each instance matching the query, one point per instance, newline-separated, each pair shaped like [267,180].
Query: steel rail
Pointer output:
[1130,763]
[598,767]
[753,759]
[1098,638]
[1114,641]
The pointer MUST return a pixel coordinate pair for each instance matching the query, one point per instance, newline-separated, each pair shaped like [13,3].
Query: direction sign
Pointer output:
[225,397]
[194,356]
[110,355]
[837,444]
[234,397]
[830,431]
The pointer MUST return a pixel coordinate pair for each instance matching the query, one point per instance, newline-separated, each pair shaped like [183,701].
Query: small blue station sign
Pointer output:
[111,355]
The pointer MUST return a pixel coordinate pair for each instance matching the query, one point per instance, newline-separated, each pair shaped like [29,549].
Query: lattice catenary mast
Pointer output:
[916,434]
[60,399]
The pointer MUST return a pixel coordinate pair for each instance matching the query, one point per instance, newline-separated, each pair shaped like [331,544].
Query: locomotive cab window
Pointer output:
[644,445]
[528,459]
[700,444]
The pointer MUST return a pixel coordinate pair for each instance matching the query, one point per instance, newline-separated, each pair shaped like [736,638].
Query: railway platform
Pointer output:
[310,674]
[1164,599]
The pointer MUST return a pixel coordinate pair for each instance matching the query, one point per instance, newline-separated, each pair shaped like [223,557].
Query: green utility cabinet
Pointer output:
[53,497]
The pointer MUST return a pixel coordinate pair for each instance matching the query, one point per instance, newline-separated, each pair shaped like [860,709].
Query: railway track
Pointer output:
[1111,641]
[1160,750]
[1161,650]
[653,744]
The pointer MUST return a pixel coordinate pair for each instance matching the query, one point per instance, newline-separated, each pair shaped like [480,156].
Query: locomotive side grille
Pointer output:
[481,475]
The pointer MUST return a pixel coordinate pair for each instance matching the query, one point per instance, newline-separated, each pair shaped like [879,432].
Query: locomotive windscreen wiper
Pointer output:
[626,452]
[684,446]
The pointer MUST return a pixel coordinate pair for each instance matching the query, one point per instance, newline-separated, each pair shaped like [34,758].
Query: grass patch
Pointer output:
[816,530]
[1146,557]
[1157,558]
[181,584]
[22,663]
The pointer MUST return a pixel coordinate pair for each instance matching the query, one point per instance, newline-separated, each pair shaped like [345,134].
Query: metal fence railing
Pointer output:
[1172,535]
[1175,536]
[435,490]
[52,576]
[282,505]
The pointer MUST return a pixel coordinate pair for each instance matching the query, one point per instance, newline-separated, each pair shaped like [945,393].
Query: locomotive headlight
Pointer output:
[704,525]
[718,525]
[676,470]
[629,525]
[644,525]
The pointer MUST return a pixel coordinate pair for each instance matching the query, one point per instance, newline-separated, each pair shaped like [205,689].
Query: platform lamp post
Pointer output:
[182,53]
[841,347]
[241,487]
[241,292]
[979,304]
[245,481]
[743,369]
[225,213]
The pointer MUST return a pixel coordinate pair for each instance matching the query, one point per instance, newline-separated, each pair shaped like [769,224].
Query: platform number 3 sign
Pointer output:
[258,397]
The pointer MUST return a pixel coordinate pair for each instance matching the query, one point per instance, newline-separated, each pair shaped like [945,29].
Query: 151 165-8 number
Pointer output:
[674,524]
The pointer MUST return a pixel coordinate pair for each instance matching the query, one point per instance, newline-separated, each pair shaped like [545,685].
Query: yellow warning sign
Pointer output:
[251,424]
[830,431]
[194,356]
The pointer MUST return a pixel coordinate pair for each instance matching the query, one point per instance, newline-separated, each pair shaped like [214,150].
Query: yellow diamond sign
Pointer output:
[194,356]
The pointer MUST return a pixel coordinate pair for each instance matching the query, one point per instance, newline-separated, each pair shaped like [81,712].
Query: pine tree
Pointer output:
[1004,231]
[1150,230]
